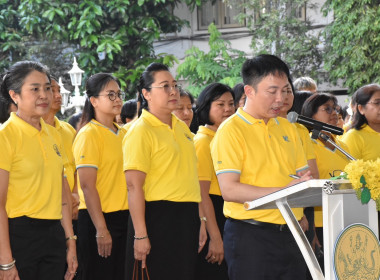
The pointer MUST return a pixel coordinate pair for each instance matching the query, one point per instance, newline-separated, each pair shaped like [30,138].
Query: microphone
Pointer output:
[294,117]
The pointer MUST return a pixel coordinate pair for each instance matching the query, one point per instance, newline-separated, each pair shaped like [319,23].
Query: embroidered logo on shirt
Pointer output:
[82,157]
[219,162]
[55,147]
[188,137]
[286,138]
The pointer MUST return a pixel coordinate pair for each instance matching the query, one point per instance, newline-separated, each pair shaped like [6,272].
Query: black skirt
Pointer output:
[206,270]
[173,230]
[91,265]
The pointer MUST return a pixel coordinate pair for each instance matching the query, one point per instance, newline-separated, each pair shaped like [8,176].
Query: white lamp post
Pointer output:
[76,80]
[65,96]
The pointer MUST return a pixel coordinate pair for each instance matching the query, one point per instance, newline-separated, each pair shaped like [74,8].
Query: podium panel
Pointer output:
[341,208]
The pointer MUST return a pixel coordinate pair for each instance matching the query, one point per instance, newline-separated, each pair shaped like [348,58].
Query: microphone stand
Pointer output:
[317,133]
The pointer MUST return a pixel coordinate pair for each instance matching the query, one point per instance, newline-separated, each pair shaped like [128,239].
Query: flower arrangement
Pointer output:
[365,179]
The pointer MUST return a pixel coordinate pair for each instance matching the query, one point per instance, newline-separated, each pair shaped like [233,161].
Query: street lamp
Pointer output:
[65,96]
[76,81]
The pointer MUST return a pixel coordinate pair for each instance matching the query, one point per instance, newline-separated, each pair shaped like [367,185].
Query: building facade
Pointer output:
[223,15]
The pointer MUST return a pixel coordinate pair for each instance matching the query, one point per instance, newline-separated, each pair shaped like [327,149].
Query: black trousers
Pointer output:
[254,252]
[93,266]
[173,230]
[39,248]
[206,270]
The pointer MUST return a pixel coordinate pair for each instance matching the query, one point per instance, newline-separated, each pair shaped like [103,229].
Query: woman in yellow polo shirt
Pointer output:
[184,110]
[214,105]
[363,137]
[323,107]
[330,161]
[103,214]
[33,204]
[163,188]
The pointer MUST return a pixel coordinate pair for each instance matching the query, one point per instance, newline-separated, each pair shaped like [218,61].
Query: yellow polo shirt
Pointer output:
[263,154]
[67,133]
[127,126]
[99,147]
[328,161]
[167,157]
[34,161]
[364,143]
[306,141]
[205,165]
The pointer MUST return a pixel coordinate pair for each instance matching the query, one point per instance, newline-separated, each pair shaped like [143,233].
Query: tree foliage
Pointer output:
[120,31]
[221,64]
[353,42]
[278,29]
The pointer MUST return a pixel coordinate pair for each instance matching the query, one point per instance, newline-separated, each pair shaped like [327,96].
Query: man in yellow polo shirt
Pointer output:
[253,154]
[67,133]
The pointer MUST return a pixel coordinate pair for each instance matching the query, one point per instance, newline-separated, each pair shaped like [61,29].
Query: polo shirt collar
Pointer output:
[369,129]
[204,130]
[251,120]
[154,121]
[28,128]
[95,122]
[57,123]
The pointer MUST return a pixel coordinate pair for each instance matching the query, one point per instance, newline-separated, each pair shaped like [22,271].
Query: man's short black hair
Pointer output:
[261,66]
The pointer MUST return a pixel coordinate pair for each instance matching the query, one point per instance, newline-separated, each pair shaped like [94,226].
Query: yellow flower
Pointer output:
[372,175]
[355,170]
[371,172]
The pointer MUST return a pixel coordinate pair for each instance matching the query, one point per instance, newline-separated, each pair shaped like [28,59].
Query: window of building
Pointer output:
[296,11]
[219,13]
[292,9]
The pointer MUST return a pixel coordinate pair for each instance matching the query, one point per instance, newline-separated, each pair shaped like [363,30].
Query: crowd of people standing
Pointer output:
[158,184]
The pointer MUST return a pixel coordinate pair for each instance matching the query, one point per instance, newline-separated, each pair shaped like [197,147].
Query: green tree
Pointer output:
[122,32]
[12,41]
[278,28]
[221,64]
[353,42]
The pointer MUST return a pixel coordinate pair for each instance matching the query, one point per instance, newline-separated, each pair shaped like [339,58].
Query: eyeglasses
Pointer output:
[112,95]
[333,174]
[329,110]
[168,89]
[375,103]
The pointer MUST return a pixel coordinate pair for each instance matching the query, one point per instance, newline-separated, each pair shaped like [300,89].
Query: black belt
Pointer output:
[276,227]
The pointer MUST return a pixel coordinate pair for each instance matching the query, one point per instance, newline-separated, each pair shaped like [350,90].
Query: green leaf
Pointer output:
[98,10]
[60,13]
[83,42]
[51,15]
[366,195]
[362,180]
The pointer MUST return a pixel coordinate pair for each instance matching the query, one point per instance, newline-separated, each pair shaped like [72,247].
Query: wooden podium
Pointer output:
[340,209]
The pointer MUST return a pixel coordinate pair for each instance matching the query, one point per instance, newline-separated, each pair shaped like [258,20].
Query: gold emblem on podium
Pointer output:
[357,254]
